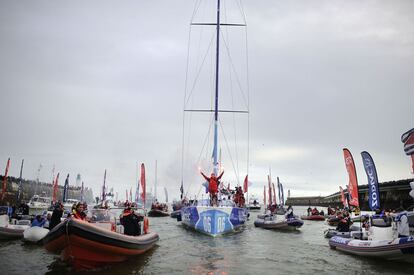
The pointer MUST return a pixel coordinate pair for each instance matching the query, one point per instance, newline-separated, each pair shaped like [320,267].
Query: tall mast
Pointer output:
[215,162]
[155,182]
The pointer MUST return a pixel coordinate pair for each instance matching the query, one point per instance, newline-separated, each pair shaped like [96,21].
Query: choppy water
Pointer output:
[251,251]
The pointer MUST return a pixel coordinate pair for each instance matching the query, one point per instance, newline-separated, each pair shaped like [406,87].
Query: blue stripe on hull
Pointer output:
[213,221]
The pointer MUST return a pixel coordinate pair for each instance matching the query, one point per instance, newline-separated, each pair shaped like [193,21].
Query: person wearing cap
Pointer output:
[56,215]
[130,221]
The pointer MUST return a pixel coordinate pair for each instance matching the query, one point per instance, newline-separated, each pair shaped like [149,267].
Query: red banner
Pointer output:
[3,193]
[55,188]
[143,184]
[353,182]
[246,184]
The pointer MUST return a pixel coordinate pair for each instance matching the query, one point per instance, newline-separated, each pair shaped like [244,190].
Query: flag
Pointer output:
[343,199]
[353,181]
[20,190]
[408,139]
[3,194]
[66,189]
[246,183]
[143,184]
[270,189]
[182,190]
[55,188]
[104,188]
[274,193]
[81,198]
[374,196]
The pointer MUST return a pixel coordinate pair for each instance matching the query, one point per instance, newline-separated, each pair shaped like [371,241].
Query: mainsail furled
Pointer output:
[264,196]
[353,182]
[3,193]
[374,195]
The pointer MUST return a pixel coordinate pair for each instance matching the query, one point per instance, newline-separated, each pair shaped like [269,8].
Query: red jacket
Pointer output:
[213,183]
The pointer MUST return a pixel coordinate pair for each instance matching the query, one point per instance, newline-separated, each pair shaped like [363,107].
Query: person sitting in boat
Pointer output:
[401,222]
[289,213]
[315,211]
[131,221]
[344,224]
[38,221]
[213,183]
[56,215]
[79,212]
[331,211]
[322,213]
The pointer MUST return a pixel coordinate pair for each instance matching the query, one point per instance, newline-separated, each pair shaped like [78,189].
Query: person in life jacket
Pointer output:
[131,221]
[401,222]
[213,183]
[38,221]
[289,213]
[344,223]
[79,212]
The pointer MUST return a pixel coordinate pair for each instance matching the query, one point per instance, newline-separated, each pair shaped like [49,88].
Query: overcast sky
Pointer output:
[94,85]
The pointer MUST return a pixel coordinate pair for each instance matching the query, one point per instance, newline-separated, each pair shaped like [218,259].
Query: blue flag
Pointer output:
[374,198]
[66,189]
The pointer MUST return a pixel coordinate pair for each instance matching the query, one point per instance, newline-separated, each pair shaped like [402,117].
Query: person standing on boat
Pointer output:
[56,215]
[130,221]
[79,213]
[289,212]
[403,228]
[213,183]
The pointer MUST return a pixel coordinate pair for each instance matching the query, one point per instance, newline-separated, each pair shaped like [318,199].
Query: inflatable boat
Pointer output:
[85,245]
[278,222]
[34,234]
[400,248]
[12,231]
[313,217]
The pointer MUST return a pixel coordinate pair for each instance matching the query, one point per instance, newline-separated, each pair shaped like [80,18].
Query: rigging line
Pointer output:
[205,142]
[228,149]
[196,7]
[185,96]
[199,71]
[242,11]
[235,72]
[248,101]
[232,99]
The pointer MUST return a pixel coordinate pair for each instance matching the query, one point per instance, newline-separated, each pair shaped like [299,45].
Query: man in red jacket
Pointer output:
[213,183]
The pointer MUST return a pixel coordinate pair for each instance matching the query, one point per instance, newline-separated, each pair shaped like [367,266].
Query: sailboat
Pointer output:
[158,209]
[214,216]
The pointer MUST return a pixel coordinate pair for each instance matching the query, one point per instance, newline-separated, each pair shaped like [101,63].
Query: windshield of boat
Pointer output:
[100,215]
[41,199]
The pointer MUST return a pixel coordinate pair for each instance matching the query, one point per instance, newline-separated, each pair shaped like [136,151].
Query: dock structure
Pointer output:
[393,195]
